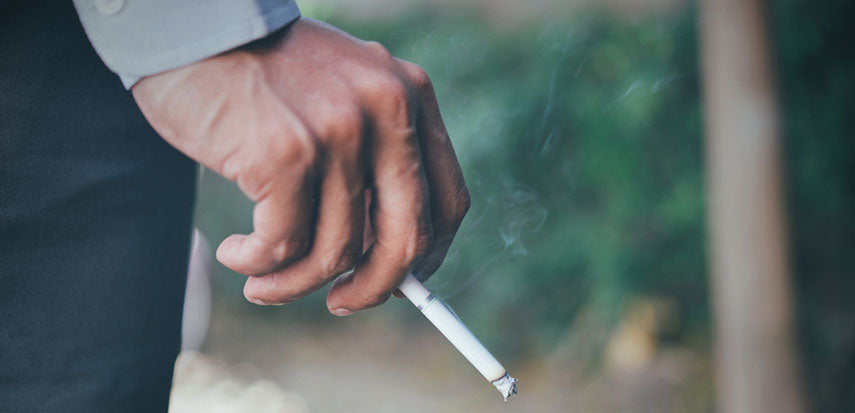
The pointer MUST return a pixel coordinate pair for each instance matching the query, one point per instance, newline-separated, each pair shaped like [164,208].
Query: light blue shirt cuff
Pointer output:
[138,38]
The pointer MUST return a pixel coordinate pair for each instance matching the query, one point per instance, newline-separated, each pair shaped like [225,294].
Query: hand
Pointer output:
[307,122]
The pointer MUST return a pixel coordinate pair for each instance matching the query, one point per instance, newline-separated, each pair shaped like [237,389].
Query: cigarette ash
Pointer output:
[507,385]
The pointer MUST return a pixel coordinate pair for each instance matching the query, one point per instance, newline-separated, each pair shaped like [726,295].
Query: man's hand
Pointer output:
[305,123]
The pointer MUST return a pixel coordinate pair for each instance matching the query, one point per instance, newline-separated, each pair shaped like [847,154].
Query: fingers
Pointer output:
[401,209]
[282,232]
[337,243]
[448,194]
[417,202]
[284,188]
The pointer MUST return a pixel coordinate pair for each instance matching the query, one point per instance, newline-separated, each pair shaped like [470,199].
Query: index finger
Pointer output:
[448,193]
[401,208]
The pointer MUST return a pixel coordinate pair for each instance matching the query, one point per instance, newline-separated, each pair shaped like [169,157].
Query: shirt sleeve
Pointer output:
[137,38]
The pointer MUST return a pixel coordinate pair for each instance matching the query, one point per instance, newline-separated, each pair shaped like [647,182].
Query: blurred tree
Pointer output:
[816,63]
[756,359]
[580,142]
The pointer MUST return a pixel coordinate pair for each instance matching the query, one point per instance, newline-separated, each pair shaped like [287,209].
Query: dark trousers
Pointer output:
[95,219]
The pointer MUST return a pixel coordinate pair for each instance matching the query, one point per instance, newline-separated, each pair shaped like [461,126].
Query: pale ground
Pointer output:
[368,363]
[358,365]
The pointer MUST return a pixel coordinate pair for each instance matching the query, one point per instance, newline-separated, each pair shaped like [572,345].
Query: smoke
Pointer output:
[522,215]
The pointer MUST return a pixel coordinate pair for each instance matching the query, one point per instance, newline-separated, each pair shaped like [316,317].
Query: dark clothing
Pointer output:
[95,224]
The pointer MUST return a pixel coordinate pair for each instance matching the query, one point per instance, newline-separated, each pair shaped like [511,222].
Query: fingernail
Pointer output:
[257,301]
[341,312]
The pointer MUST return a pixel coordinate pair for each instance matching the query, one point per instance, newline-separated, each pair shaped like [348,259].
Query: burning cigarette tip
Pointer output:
[507,385]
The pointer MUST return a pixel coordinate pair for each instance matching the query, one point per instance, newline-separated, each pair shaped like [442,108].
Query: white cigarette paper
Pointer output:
[441,316]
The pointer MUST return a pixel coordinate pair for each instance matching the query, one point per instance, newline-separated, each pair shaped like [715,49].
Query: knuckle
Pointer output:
[395,91]
[253,185]
[230,166]
[379,50]
[271,157]
[342,126]
[296,151]
[393,100]
[388,89]
[418,76]
[417,245]
[287,250]
[339,262]
[241,166]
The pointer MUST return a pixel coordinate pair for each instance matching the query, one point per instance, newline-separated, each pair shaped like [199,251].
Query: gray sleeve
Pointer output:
[137,38]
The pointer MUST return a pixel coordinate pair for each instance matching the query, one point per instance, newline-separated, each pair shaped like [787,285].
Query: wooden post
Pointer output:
[756,357]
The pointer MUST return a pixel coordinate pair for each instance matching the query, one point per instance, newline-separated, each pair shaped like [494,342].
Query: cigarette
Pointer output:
[444,319]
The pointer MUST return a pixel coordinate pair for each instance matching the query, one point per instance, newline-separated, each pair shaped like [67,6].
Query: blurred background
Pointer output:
[583,263]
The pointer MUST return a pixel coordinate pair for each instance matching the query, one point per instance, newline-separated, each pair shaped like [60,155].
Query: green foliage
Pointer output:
[580,139]
[581,145]
[580,142]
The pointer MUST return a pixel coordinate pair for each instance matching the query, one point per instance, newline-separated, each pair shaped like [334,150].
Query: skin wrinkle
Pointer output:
[306,123]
